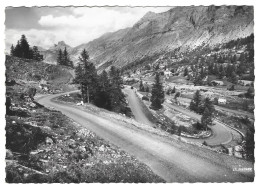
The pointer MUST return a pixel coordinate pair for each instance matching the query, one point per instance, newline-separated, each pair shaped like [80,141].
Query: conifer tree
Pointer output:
[173,90]
[157,93]
[215,70]
[117,97]
[79,78]
[210,68]
[60,57]
[65,58]
[87,77]
[249,145]
[185,72]
[209,105]
[25,48]
[103,93]
[222,72]
[147,89]
[196,103]
[206,118]
[250,92]
[12,50]
[36,54]
[18,50]
[141,86]
[198,79]
[233,78]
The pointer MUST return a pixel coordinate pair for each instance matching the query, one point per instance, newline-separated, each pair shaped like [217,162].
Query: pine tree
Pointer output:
[198,126]
[141,86]
[103,93]
[79,78]
[36,54]
[222,72]
[173,90]
[234,59]
[185,72]
[89,77]
[157,93]
[196,103]
[198,79]
[215,70]
[249,145]
[233,78]
[65,57]
[18,50]
[206,118]
[25,48]
[210,68]
[250,92]
[12,50]
[209,105]
[117,97]
[147,89]
[60,57]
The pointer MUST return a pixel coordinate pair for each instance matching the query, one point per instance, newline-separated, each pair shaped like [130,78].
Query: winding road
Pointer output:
[174,161]
[221,134]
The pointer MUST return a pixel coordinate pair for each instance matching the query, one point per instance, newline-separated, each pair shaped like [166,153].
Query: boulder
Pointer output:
[48,141]
[9,154]
[32,105]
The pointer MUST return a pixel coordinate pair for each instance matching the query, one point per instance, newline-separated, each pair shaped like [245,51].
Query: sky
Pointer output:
[46,26]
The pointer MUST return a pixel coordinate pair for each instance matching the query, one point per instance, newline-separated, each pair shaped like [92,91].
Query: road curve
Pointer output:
[173,161]
[221,134]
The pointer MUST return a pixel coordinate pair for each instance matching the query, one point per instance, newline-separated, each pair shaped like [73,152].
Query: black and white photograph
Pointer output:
[129,94]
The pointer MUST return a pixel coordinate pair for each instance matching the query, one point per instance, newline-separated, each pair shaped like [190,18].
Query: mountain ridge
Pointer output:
[180,27]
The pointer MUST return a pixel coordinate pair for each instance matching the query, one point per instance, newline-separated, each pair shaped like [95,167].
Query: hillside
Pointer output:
[45,146]
[31,73]
[180,28]
[184,27]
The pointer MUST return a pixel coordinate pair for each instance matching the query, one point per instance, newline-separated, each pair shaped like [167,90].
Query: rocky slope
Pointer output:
[158,33]
[44,77]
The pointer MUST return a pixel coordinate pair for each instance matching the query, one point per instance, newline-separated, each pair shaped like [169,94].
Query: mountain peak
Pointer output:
[149,15]
[62,43]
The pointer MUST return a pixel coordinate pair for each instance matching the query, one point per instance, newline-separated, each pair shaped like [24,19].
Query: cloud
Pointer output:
[34,37]
[79,25]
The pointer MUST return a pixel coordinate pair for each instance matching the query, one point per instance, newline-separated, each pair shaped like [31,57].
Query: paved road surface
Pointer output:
[221,133]
[173,161]
[135,106]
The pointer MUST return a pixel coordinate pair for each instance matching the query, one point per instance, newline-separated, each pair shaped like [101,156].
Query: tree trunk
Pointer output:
[87,94]
[82,93]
